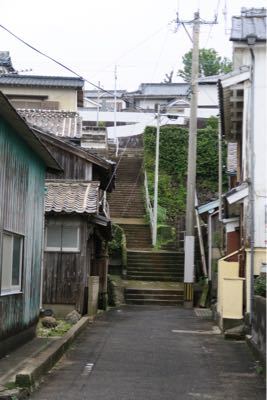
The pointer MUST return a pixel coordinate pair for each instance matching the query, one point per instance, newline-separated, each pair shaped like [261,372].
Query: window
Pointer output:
[11,263]
[62,238]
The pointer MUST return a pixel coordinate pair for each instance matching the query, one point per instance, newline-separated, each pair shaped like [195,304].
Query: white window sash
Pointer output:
[64,249]
[13,289]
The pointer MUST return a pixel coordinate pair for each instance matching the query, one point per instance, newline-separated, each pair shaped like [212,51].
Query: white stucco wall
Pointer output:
[242,56]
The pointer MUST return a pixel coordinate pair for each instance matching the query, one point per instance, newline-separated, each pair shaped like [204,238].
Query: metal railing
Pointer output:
[148,202]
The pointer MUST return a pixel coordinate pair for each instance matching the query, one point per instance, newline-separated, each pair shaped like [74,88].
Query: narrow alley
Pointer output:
[159,353]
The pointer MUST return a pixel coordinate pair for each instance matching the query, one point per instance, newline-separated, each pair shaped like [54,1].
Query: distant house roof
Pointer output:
[5,62]
[162,89]
[10,115]
[89,94]
[41,80]
[72,197]
[212,79]
[251,22]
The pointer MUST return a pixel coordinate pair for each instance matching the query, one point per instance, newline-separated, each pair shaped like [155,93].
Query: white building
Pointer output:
[243,114]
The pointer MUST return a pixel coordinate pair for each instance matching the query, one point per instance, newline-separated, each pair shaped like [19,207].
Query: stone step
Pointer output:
[165,278]
[154,291]
[158,269]
[154,302]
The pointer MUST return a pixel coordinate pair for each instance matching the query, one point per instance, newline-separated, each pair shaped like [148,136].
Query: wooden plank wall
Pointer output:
[65,273]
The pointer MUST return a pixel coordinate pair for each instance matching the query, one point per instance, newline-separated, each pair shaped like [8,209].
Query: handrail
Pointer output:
[148,203]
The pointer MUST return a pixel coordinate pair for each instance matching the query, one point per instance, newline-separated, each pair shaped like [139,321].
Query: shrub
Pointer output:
[260,286]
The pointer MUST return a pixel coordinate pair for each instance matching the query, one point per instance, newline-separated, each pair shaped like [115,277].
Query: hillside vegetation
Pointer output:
[173,167]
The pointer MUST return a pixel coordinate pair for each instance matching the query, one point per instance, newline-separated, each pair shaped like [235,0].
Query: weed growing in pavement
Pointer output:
[59,330]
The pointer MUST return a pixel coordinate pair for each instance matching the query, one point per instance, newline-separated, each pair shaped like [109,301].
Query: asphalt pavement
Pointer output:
[153,353]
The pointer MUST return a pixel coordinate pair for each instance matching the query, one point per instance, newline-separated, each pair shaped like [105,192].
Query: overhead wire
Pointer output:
[66,67]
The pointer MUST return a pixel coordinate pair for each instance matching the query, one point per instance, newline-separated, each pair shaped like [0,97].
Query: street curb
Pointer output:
[41,364]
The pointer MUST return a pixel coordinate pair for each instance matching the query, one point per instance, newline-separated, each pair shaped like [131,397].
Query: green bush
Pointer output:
[260,286]
[115,245]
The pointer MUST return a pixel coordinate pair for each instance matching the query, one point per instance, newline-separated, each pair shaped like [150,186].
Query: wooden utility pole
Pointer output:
[189,244]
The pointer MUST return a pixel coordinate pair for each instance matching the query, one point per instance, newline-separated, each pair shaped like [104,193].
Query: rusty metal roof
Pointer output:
[72,197]
[251,22]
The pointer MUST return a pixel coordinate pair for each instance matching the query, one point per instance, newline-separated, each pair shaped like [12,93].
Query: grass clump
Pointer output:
[59,330]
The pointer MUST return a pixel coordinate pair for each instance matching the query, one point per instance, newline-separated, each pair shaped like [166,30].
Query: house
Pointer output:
[77,227]
[104,100]
[48,102]
[24,160]
[43,92]
[242,97]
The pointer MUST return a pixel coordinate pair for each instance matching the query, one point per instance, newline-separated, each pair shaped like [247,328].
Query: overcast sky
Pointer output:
[92,36]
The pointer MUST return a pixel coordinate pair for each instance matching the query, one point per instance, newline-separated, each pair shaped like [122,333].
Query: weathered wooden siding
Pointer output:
[74,166]
[21,211]
[66,273]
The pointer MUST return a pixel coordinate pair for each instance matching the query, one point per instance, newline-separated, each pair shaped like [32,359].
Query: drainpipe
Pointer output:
[220,167]
[210,241]
[251,41]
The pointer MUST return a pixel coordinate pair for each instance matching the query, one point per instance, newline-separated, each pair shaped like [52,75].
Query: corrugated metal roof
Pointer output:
[9,114]
[251,22]
[208,206]
[72,197]
[40,80]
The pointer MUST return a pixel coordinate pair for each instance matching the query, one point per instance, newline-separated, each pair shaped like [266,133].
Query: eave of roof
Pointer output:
[10,115]
[77,150]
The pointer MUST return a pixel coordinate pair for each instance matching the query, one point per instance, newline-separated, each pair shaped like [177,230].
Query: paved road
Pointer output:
[153,353]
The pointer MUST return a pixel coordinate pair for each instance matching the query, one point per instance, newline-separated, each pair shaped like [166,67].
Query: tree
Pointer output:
[168,77]
[210,63]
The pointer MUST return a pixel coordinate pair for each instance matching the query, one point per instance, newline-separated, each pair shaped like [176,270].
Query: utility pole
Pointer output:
[115,110]
[189,244]
[156,181]
[98,99]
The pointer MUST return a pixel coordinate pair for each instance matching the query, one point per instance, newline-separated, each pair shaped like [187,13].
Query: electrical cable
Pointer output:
[140,109]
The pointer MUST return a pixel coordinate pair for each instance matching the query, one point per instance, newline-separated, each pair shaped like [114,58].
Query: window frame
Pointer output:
[60,249]
[13,289]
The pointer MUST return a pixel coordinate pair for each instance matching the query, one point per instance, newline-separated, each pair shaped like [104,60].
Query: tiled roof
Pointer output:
[22,129]
[251,22]
[60,123]
[72,197]
[164,89]
[40,80]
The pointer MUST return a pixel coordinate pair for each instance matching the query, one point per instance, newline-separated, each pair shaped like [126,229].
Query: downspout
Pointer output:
[210,241]
[251,41]
[220,167]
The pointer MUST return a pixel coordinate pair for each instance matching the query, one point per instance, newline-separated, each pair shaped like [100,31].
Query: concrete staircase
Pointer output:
[161,271]
[127,200]
[155,266]
[160,297]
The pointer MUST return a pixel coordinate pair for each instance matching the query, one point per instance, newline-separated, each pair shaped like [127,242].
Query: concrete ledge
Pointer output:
[41,364]
[255,351]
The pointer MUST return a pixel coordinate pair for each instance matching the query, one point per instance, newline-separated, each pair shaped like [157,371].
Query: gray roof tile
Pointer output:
[72,197]
[251,22]
[40,80]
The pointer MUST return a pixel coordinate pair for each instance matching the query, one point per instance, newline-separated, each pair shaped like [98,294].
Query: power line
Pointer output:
[140,109]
